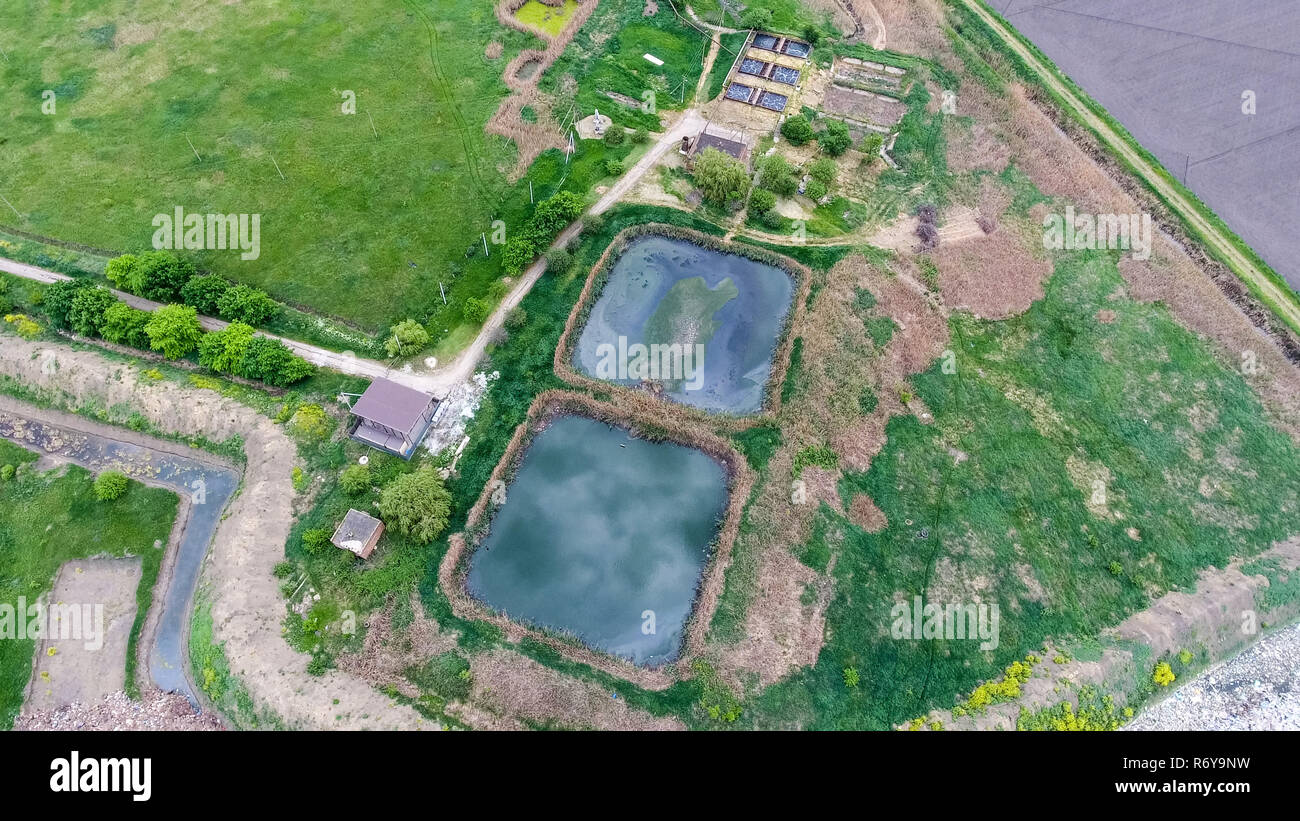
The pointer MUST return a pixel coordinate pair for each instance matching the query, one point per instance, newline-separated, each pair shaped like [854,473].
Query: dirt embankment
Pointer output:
[247,608]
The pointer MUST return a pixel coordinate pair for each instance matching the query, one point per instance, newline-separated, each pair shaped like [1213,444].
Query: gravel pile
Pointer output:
[1257,690]
[156,711]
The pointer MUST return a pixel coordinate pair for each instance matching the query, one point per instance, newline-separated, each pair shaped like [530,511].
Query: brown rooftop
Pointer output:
[392,405]
[732,147]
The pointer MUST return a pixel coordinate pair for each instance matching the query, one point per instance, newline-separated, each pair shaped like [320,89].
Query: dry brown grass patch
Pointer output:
[994,277]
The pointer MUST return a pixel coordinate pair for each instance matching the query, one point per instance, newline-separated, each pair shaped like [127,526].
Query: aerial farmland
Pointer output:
[852,365]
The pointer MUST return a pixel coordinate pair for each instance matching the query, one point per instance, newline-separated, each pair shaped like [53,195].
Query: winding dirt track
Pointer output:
[247,608]
[1192,212]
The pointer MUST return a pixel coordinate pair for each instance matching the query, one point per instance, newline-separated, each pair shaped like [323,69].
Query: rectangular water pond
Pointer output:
[697,324]
[789,76]
[604,536]
[773,101]
[736,91]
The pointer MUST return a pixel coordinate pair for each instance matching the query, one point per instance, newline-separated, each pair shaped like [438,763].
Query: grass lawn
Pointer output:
[608,55]
[46,520]
[364,223]
[546,18]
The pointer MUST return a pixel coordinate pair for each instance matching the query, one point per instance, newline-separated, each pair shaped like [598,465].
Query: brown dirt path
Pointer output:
[247,608]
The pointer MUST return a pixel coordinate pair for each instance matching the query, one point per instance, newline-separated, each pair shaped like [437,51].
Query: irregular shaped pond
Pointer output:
[701,323]
[603,536]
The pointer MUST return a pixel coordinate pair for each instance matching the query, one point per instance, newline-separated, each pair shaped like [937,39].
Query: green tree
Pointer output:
[416,505]
[161,275]
[174,330]
[777,176]
[824,170]
[555,213]
[86,316]
[558,260]
[224,351]
[721,178]
[270,361]
[756,18]
[519,253]
[615,136]
[476,310]
[310,422]
[516,319]
[109,485]
[125,272]
[205,292]
[815,190]
[58,300]
[244,303]
[407,338]
[761,201]
[797,130]
[835,140]
[125,325]
[355,480]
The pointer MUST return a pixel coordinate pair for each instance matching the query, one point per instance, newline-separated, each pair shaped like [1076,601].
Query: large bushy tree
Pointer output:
[721,177]
[416,505]
[174,330]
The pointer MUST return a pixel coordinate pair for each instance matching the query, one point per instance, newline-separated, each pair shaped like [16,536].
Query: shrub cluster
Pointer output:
[550,217]
[163,277]
[172,330]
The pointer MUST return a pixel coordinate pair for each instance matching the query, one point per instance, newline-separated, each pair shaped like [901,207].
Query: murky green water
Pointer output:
[725,311]
[603,536]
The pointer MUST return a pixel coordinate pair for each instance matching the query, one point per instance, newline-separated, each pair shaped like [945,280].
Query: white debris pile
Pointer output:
[455,412]
[1257,690]
[156,711]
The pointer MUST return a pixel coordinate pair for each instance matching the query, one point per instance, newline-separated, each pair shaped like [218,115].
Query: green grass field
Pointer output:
[608,55]
[546,18]
[365,221]
[48,519]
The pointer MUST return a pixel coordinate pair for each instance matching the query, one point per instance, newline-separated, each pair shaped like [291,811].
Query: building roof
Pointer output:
[732,147]
[355,531]
[392,405]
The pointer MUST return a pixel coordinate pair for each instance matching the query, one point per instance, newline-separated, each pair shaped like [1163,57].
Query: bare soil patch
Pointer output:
[69,670]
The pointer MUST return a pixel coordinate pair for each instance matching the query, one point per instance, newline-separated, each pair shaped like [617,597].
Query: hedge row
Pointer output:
[174,331]
[163,277]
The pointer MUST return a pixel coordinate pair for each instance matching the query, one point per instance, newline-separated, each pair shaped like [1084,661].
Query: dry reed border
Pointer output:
[531,139]
[640,399]
[454,568]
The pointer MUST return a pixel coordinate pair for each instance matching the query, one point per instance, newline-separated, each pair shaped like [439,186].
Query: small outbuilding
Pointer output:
[731,143]
[392,417]
[358,533]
